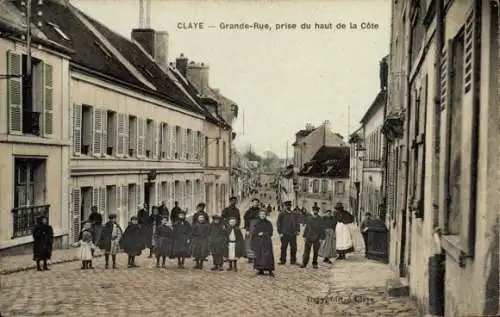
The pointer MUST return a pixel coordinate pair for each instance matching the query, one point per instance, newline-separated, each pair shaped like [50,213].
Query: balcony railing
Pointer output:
[24,218]
[31,122]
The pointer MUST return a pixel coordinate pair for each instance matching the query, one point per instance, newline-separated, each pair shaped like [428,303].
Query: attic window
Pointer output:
[58,30]
[103,49]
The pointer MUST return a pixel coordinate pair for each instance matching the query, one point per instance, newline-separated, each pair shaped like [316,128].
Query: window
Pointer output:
[324,186]
[87,129]
[151,138]
[178,141]
[339,188]
[133,135]
[30,104]
[110,138]
[163,192]
[122,147]
[189,150]
[305,185]
[164,141]
[141,137]
[315,186]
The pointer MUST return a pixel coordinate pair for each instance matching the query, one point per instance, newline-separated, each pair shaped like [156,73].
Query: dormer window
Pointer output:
[58,30]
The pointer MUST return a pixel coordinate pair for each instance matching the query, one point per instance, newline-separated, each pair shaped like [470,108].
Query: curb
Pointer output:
[33,266]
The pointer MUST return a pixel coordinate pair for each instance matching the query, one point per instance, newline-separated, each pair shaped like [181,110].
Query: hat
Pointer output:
[339,206]
[216,217]
[133,218]
[201,205]
[112,216]
[315,206]
[233,198]
[288,203]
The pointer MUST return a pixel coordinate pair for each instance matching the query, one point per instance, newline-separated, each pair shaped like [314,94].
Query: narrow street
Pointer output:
[351,288]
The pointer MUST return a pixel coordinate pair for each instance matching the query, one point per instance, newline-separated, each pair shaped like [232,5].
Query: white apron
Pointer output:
[343,237]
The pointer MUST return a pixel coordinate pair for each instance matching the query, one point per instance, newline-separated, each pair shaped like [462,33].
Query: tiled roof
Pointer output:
[92,54]
[303,133]
[328,162]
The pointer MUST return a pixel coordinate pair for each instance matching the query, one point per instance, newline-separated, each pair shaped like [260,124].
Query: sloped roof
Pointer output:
[328,162]
[91,54]
[377,103]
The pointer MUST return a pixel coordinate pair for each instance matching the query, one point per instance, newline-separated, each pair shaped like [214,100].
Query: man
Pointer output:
[231,212]
[251,218]
[163,210]
[175,212]
[314,233]
[288,229]
[95,218]
[200,211]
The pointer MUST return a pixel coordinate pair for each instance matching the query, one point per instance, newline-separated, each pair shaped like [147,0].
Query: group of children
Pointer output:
[224,241]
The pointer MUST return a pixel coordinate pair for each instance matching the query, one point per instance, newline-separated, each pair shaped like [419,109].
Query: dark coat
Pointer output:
[107,231]
[262,245]
[200,240]
[315,229]
[152,220]
[43,238]
[217,239]
[230,212]
[197,214]
[142,216]
[329,222]
[251,214]
[240,243]
[344,217]
[182,235]
[132,241]
[288,223]
[164,241]
[175,214]
[95,218]
[163,211]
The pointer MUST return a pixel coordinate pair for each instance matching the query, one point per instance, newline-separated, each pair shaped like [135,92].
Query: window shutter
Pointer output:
[124,202]
[104,132]
[48,99]
[97,131]
[125,134]
[120,141]
[103,202]
[14,93]
[77,129]
[95,197]
[195,145]
[133,134]
[168,142]
[156,138]
[469,37]
[139,194]
[173,142]
[185,142]
[141,148]
[118,203]
[75,213]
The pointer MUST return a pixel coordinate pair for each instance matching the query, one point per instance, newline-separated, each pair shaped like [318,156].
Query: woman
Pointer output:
[200,238]
[328,247]
[132,241]
[343,237]
[43,238]
[262,245]
[181,239]
[251,218]
[163,242]
[217,242]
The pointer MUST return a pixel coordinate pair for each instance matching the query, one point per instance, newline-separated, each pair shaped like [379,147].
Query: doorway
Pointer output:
[86,193]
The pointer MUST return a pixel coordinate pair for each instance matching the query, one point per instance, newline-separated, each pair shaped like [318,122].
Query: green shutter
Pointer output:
[48,106]
[15,93]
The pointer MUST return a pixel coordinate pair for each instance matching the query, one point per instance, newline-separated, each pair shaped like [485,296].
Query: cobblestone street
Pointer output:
[351,288]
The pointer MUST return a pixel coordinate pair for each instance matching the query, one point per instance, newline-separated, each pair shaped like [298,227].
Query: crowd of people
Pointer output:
[169,235]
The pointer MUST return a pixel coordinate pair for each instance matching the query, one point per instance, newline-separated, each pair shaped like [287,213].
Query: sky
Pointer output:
[282,78]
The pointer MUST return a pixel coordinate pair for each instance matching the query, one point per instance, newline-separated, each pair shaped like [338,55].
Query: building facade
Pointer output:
[448,208]
[355,170]
[34,133]
[325,179]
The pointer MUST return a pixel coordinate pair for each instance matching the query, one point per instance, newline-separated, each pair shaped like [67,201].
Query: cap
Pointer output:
[233,198]
[201,205]
[315,206]
[112,216]
[339,206]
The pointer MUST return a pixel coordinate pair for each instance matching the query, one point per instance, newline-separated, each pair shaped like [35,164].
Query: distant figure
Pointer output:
[87,248]
[151,229]
[288,228]
[175,212]
[43,238]
[231,211]
[163,210]
[262,245]
[217,241]
[200,245]
[328,247]
[200,211]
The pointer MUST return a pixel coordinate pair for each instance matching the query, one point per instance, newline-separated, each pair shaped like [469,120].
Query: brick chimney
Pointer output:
[197,74]
[155,43]
[181,64]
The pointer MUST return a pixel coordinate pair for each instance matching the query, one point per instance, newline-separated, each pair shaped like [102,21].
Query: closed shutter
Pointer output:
[126,134]
[185,149]
[124,202]
[104,132]
[76,202]
[77,129]
[48,99]
[119,135]
[97,131]
[168,142]
[139,194]
[103,203]
[14,93]
[133,134]
[156,138]
[196,140]
[141,148]
[118,203]
[95,197]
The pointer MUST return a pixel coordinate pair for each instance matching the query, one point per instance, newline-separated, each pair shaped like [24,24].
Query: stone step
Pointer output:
[397,287]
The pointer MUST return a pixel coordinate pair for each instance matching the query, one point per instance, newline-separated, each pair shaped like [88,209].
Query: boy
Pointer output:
[235,248]
[110,240]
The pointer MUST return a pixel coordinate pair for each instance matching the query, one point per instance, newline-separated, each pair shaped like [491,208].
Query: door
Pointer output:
[147,197]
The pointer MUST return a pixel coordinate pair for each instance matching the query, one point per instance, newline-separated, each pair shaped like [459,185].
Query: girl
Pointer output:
[132,241]
[43,238]
[200,235]
[328,247]
[163,242]
[217,242]
[235,247]
[181,235]
[86,249]
[110,238]
[87,227]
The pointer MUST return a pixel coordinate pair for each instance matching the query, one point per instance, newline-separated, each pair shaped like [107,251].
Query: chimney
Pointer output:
[197,74]
[309,127]
[154,43]
[383,73]
[181,64]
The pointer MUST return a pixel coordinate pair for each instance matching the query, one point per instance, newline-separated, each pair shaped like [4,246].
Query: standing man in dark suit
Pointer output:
[231,212]
[314,233]
[288,228]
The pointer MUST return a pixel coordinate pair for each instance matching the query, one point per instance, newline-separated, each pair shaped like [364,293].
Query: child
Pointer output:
[181,235]
[200,235]
[109,240]
[163,242]
[235,247]
[132,241]
[86,247]
[87,227]
[217,242]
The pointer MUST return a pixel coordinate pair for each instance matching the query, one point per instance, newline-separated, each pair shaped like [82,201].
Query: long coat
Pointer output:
[106,236]
[230,212]
[174,214]
[132,241]
[217,239]
[328,247]
[240,243]
[182,234]
[199,240]
[251,218]
[262,245]
[164,239]
[43,238]
[150,229]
